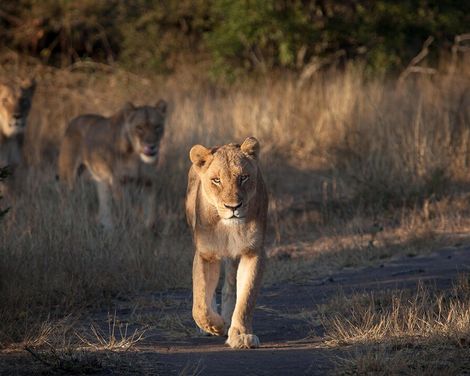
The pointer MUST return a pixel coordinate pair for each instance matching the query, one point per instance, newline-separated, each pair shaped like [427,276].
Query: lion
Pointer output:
[15,104]
[226,209]
[115,150]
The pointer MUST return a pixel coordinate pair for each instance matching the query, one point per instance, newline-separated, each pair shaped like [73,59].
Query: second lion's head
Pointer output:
[145,127]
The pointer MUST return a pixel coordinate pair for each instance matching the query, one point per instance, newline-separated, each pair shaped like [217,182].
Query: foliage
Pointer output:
[240,35]
[261,33]
[155,33]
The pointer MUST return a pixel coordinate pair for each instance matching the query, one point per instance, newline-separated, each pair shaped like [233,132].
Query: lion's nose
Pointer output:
[233,207]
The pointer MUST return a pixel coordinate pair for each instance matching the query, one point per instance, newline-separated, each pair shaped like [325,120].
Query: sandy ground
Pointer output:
[284,320]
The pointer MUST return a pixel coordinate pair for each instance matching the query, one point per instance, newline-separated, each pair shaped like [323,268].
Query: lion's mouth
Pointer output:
[150,152]
[15,127]
[233,220]
[233,216]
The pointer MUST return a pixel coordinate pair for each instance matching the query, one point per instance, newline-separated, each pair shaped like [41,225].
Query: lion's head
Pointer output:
[229,176]
[145,127]
[15,103]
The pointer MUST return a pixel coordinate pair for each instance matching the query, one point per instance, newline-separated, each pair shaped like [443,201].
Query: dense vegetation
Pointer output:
[230,35]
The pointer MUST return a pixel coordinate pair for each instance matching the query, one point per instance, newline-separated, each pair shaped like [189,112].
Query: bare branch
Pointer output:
[412,66]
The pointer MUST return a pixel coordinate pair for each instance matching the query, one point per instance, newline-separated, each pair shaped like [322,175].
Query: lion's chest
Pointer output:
[127,167]
[134,170]
[228,240]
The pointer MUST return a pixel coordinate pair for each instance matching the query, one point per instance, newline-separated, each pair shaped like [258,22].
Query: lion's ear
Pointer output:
[251,147]
[200,155]
[128,110]
[161,106]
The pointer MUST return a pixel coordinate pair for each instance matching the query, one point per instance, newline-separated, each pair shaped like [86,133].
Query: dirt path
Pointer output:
[284,321]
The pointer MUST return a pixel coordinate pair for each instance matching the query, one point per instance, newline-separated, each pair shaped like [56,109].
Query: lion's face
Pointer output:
[15,103]
[146,126]
[229,177]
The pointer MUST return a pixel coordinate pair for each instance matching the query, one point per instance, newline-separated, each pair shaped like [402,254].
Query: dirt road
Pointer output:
[285,322]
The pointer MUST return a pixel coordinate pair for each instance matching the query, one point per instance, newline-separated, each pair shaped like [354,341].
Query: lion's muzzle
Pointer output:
[15,126]
[232,211]
[149,153]
[150,150]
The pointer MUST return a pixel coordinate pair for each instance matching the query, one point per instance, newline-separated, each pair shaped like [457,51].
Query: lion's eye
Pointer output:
[216,181]
[244,178]
[140,128]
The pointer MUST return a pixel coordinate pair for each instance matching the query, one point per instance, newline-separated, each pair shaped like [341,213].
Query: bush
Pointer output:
[239,35]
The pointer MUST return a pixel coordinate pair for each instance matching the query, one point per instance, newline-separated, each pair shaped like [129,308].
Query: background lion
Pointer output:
[226,208]
[15,104]
[124,147]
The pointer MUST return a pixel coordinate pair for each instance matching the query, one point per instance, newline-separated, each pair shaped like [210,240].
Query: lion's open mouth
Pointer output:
[149,158]
[149,152]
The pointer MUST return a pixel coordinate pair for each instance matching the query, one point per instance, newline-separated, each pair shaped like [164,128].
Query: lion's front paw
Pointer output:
[215,332]
[237,340]
[211,325]
[202,332]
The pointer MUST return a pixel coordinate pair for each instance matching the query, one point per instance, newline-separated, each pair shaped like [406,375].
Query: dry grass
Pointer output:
[398,332]
[379,360]
[118,337]
[358,171]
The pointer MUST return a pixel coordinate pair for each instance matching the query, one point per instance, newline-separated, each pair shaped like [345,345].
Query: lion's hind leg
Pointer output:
[69,158]
[229,289]
[205,279]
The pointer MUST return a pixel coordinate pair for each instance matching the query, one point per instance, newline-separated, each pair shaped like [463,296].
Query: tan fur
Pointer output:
[15,104]
[227,217]
[121,148]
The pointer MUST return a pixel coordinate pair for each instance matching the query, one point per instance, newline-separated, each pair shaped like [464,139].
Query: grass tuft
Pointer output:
[118,336]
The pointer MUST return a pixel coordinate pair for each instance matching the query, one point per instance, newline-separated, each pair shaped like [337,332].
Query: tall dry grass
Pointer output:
[400,333]
[344,156]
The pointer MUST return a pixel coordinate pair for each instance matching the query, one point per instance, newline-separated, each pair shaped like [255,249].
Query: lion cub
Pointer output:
[15,104]
[226,209]
[124,147]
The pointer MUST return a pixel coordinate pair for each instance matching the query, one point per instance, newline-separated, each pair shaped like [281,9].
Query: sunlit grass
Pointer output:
[118,337]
